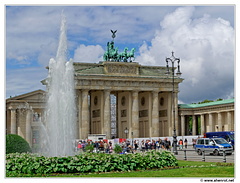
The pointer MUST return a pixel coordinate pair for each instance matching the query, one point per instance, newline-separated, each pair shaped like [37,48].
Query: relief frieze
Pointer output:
[110,83]
[123,69]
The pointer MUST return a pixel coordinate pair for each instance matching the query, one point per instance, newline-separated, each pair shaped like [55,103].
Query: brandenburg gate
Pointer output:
[143,94]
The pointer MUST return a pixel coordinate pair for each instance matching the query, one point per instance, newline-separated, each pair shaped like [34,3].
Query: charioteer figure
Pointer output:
[112,53]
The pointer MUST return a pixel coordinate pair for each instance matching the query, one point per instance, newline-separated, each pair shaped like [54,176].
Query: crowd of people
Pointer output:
[102,145]
[130,146]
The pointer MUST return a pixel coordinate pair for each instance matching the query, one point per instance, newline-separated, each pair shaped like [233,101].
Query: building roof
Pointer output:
[187,106]
[26,96]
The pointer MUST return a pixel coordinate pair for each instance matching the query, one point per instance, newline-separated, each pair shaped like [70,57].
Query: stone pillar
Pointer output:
[211,122]
[194,125]
[155,115]
[79,93]
[220,122]
[85,115]
[135,114]
[28,126]
[13,121]
[183,125]
[229,120]
[202,125]
[107,115]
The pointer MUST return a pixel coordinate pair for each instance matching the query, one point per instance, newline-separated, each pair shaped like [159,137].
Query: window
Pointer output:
[200,141]
[161,101]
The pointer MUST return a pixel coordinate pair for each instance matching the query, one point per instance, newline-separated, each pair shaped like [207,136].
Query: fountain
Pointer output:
[59,130]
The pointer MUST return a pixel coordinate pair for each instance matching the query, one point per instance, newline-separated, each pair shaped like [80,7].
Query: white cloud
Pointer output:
[205,46]
[203,42]
[91,53]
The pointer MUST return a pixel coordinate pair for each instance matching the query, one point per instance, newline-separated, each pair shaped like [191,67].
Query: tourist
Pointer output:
[135,145]
[101,148]
[142,145]
[193,142]
[153,144]
[105,146]
[110,148]
[180,144]
[167,144]
[185,143]
[158,145]
[146,145]
[79,146]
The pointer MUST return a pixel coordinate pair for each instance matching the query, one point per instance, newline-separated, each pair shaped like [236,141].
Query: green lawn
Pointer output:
[185,169]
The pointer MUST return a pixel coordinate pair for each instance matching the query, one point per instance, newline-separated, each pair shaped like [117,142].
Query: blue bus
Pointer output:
[227,135]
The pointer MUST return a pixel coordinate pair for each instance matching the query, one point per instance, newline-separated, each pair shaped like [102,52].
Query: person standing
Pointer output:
[185,143]
[135,145]
[180,144]
[105,146]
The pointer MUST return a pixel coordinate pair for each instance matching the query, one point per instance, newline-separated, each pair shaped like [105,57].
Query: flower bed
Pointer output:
[88,162]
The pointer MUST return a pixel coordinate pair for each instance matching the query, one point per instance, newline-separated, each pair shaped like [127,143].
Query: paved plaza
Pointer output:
[191,155]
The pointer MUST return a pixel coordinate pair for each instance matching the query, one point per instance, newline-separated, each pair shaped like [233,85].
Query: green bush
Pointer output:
[15,143]
[17,164]
[117,148]
[89,148]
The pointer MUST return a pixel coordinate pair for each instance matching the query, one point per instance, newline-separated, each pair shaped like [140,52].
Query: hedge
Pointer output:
[15,143]
[17,164]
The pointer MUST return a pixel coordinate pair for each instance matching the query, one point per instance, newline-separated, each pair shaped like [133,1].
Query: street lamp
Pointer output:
[173,59]
[126,132]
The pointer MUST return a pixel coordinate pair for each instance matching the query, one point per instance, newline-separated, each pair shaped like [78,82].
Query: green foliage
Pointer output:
[18,164]
[15,143]
[89,148]
[117,148]
[205,101]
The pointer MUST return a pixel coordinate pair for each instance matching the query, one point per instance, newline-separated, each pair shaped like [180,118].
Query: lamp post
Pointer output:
[126,132]
[173,59]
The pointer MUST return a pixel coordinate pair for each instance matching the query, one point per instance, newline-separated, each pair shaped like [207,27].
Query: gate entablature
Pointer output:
[122,76]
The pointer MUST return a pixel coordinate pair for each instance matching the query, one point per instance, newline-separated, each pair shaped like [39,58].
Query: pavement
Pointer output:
[191,155]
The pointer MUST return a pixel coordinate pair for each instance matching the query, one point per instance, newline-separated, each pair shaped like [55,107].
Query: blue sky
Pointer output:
[203,37]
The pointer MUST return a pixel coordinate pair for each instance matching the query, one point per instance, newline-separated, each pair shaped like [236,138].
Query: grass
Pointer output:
[185,169]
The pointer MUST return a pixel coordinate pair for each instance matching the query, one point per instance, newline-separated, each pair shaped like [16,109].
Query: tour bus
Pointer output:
[227,135]
[213,146]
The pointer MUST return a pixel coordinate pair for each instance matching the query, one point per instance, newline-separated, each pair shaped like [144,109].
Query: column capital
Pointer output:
[135,91]
[107,91]
[12,108]
[155,92]
[85,90]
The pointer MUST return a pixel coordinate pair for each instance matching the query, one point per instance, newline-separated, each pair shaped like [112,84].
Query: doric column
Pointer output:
[211,122]
[28,126]
[135,114]
[220,121]
[107,115]
[182,125]
[155,115]
[194,125]
[79,93]
[229,119]
[85,115]
[202,125]
[13,121]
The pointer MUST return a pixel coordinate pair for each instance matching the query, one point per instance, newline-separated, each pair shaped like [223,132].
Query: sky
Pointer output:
[202,36]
